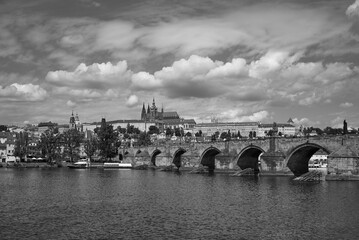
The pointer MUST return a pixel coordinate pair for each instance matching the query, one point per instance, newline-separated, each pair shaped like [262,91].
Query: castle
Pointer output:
[152,114]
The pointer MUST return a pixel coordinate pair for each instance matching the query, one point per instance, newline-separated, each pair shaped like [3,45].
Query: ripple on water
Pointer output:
[99,204]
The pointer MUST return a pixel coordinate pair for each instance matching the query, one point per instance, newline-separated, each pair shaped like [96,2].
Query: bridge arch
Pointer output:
[208,157]
[248,157]
[154,155]
[177,157]
[298,158]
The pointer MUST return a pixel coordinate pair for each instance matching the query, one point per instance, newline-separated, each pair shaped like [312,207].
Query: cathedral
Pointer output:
[152,114]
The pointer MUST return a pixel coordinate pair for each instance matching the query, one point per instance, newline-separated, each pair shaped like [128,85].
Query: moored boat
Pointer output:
[117,165]
[80,164]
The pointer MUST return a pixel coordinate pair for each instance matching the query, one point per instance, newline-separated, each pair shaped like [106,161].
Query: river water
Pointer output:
[129,204]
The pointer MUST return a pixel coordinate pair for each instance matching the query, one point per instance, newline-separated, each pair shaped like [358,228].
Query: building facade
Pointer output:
[243,128]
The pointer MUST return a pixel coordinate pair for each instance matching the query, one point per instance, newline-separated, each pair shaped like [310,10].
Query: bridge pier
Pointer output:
[343,164]
[273,163]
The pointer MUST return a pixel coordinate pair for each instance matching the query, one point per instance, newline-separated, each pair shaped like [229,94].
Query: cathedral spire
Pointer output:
[143,113]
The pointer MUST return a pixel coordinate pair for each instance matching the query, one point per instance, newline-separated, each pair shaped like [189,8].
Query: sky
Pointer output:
[236,60]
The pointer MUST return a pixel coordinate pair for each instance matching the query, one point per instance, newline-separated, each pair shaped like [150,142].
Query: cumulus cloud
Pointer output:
[95,76]
[71,103]
[304,122]
[237,116]
[346,105]
[132,101]
[353,9]
[145,80]
[23,92]
[78,93]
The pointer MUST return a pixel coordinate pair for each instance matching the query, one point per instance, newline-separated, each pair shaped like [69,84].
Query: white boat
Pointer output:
[80,164]
[117,165]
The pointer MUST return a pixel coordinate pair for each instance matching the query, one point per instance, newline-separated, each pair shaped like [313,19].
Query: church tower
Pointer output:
[72,123]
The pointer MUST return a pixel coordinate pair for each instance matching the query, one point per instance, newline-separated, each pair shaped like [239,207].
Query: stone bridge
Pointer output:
[273,155]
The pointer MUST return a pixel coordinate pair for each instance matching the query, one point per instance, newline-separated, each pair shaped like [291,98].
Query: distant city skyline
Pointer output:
[243,60]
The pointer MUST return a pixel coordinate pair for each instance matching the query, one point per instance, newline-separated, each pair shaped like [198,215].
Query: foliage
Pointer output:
[132,130]
[91,147]
[49,144]
[121,130]
[169,132]
[71,140]
[188,134]
[144,139]
[198,134]
[179,132]
[223,135]
[3,128]
[333,131]
[153,130]
[22,141]
[108,142]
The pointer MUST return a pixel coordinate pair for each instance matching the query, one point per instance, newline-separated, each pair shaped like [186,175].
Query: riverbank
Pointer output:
[327,177]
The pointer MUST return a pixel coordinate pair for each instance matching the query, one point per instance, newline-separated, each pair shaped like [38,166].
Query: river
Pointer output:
[132,204]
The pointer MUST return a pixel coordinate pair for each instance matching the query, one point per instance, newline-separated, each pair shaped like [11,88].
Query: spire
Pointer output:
[143,113]
[153,102]
[148,108]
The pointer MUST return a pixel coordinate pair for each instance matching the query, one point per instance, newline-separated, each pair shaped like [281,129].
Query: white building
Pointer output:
[244,128]
[283,129]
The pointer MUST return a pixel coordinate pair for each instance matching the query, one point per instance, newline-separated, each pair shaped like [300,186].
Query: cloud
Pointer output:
[71,103]
[145,80]
[78,93]
[23,92]
[353,10]
[346,105]
[304,122]
[236,115]
[132,101]
[95,76]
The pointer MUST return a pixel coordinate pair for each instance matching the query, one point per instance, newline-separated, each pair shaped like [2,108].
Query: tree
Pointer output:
[144,139]
[153,130]
[3,128]
[71,140]
[107,141]
[121,130]
[178,132]
[216,134]
[22,141]
[188,134]
[213,138]
[49,144]
[239,134]
[168,132]
[91,147]
[132,130]
[198,134]
[223,135]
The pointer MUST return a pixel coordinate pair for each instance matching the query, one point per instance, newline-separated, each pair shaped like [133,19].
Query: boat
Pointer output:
[117,165]
[80,164]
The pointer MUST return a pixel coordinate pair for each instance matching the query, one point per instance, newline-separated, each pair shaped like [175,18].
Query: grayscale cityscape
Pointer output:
[139,119]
